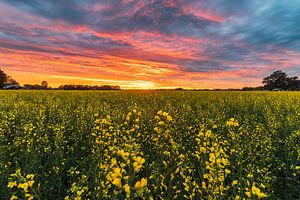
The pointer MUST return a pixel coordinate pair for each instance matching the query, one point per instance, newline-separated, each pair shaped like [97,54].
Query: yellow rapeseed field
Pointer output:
[149,145]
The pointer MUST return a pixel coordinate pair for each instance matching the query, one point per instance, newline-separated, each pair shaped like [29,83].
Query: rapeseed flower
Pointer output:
[13,197]
[235,182]
[11,184]
[117,182]
[140,184]
[127,190]
[138,164]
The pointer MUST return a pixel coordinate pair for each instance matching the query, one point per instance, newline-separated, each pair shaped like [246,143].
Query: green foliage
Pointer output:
[149,145]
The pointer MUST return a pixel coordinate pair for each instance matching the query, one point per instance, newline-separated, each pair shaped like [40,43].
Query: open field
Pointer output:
[149,145]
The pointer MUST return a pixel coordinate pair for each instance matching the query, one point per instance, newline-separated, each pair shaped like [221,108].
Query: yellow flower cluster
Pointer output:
[232,123]
[122,160]
[256,192]
[138,163]
[22,181]
[140,184]
[79,189]
[216,163]
[149,145]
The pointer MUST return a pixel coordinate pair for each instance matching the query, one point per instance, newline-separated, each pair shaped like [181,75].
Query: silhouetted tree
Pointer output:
[44,84]
[3,78]
[294,83]
[11,81]
[6,80]
[280,80]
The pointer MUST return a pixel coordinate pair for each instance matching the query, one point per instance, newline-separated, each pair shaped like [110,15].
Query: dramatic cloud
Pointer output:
[158,43]
[272,22]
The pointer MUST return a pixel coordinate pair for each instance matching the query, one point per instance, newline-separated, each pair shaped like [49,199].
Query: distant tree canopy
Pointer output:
[45,84]
[253,88]
[280,80]
[33,87]
[89,87]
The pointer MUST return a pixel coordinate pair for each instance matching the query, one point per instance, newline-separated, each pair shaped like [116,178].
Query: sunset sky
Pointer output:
[149,43]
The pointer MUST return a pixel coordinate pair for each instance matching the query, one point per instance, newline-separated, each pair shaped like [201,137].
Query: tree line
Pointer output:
[6,82]
[89,87]
[277,81]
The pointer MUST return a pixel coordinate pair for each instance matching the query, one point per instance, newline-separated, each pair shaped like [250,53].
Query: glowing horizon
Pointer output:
[149,44]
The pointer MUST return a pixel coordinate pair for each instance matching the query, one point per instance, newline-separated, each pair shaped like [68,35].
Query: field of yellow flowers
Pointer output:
[149,145]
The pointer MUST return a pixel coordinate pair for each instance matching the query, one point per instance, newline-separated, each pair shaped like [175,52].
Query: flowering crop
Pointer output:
[149,145]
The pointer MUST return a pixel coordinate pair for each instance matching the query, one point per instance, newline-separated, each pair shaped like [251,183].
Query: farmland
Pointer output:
[149,145]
